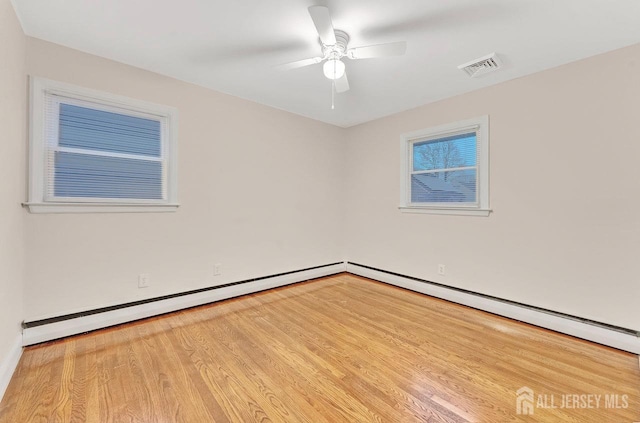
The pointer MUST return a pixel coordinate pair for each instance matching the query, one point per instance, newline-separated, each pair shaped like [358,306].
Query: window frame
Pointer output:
[479,125]
[40,142]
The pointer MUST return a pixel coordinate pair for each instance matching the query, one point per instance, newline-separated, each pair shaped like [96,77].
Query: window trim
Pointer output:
[38,202]
[481,208]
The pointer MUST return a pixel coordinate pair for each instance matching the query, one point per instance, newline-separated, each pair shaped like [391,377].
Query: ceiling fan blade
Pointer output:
[322,20]
[379,50]
[342,84]
[300,63]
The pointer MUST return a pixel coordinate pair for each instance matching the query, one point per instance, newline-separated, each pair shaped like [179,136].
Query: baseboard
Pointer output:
[55,329]
[36,332]
[8,366]
[585,330]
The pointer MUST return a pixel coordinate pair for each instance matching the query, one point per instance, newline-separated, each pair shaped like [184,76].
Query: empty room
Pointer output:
[319,211]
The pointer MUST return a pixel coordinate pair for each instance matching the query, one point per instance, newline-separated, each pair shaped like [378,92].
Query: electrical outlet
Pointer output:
[143,280]
[441,269]
[217,269]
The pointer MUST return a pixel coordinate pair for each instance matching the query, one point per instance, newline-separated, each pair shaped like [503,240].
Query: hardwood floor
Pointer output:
[337,349]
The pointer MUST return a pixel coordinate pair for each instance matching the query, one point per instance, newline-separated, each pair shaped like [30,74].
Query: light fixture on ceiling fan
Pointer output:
[335,48]
[333,68]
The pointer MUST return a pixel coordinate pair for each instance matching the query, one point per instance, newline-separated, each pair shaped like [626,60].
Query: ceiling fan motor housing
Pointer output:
[339,50]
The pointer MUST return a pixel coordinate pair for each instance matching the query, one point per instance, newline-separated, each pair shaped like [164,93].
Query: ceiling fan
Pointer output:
[335,48]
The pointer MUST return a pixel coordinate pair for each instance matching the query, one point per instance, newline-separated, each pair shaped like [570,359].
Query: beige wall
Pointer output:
[260,193]
[263,191]
[13,89]
[565,232]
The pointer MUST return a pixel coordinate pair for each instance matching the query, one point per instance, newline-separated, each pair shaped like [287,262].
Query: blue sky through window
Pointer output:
[91,129]
[445,153]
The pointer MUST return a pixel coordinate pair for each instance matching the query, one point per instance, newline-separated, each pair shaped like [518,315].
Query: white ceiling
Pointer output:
[233,46]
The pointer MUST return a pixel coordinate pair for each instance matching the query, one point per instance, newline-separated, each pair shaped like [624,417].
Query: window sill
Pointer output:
[99,208]
[444,210]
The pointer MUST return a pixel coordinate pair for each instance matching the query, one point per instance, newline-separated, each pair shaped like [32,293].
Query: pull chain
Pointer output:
[333,94]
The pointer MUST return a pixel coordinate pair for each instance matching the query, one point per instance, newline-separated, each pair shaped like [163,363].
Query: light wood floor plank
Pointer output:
[336,349]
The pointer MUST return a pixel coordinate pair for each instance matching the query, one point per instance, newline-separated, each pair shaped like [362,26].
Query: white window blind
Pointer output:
[444,170]
[100,151]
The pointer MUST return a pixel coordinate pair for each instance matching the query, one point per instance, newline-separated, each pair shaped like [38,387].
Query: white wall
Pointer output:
[565,231]
[260,192]
[13,89]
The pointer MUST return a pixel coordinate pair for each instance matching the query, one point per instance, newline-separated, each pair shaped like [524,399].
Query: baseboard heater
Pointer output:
[37,331]
[601,333]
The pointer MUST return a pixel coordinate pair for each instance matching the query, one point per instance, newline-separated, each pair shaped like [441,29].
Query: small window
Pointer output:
[445,170]
[96,152]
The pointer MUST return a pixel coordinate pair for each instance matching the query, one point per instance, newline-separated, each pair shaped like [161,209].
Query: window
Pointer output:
[96,152]
[445,170]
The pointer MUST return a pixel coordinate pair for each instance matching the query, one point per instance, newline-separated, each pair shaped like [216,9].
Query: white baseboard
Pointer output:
[590,332]
[8,366]
[47,332]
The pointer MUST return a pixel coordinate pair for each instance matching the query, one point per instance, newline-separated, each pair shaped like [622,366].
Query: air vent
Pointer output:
[481,66]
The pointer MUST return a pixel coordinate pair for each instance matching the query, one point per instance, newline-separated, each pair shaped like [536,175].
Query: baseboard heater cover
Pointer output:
[590,330]
[38,331]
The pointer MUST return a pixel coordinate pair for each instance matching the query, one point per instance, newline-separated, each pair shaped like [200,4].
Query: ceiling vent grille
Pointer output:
[482,66]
